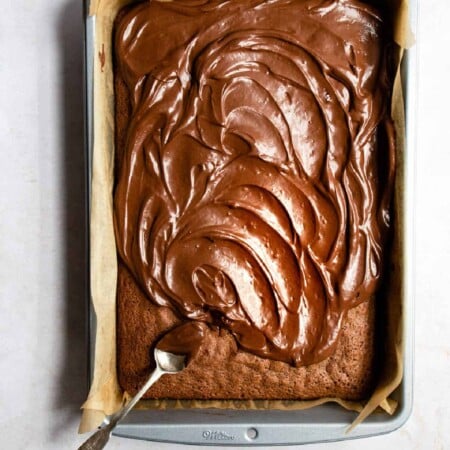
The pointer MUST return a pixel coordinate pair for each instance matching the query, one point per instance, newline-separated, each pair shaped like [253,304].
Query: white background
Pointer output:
[42,258]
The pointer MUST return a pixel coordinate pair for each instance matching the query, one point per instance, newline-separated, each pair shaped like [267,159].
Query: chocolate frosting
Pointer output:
[185,339]
[253,193]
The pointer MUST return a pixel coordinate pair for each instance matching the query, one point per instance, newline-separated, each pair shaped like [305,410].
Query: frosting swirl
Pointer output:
[254,190]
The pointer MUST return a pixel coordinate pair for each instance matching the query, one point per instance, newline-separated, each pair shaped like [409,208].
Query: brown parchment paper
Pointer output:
[105,395]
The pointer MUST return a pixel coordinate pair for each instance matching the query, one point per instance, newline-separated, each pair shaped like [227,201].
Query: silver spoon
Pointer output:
[165,363]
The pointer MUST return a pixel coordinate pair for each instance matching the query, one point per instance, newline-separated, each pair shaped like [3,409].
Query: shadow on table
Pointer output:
[71,389]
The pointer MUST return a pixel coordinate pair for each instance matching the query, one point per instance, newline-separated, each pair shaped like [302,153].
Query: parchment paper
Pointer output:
[105,395]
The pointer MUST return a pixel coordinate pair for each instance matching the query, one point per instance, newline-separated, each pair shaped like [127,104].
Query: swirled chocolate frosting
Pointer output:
[255,180]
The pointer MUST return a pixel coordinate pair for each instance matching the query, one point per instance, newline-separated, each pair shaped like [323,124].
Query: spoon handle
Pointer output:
[101,437]
[98,440]
[153,378]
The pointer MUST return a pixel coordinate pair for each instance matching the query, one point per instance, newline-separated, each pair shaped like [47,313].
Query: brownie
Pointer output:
[254,169]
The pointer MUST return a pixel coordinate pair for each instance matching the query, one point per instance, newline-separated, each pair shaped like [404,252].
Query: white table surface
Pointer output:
[42,259]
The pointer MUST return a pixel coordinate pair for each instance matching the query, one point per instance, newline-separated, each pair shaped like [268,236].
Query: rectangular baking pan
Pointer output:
[323,423]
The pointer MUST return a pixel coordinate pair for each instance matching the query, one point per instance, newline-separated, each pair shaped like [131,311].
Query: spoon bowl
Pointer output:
[169,362]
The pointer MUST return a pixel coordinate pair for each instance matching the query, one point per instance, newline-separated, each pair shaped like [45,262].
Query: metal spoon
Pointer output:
[165,363]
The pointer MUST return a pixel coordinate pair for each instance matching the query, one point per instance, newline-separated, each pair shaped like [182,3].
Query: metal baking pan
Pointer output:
[323,423]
